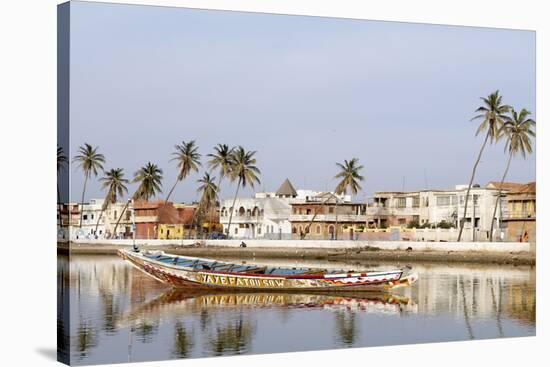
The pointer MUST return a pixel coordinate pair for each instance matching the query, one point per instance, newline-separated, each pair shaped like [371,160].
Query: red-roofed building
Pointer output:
[154,219]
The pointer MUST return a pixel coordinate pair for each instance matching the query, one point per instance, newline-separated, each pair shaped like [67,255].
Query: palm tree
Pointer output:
[149,178]
[349,179]
[115,183]
[61,163]
[90,161]
[493,115]
[518,131]
[244,170]
[188,159]
[209,195]
[222,159]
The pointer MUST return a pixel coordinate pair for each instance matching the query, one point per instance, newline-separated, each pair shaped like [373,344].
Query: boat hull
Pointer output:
[207,280]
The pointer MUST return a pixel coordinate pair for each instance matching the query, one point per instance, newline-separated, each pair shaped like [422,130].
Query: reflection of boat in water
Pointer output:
[179,303]
[197,273]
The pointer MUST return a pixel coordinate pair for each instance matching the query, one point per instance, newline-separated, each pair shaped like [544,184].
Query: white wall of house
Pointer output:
[263,216]
[105,227]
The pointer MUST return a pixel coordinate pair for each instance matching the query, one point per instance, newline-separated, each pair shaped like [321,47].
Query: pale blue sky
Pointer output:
[304,92]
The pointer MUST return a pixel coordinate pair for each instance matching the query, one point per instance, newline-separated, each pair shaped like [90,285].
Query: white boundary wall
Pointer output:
[296,244]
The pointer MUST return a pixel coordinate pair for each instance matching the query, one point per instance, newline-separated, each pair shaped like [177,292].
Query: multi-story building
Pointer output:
[68,217]
[520,219]
[102,225]
[266,215]
[326,216]
[438,207]
[94,223]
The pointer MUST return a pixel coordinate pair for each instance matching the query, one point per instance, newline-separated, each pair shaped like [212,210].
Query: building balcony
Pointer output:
[242,219]
[328,218]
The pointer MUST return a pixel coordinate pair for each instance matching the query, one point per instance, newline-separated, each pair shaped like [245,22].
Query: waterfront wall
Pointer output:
[495,247]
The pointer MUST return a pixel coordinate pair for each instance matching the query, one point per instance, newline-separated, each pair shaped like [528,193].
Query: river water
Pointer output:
[118,314]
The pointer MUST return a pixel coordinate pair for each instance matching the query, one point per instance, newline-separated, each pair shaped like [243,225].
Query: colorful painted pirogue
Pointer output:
[197,273]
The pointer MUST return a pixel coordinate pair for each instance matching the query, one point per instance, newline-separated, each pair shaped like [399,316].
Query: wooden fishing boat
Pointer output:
[198,273]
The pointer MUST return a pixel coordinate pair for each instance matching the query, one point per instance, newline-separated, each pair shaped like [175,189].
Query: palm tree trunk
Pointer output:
[170,192]
[233,208]
[99,218]
[82,200]
[498,196]
[470,186]
[119,218]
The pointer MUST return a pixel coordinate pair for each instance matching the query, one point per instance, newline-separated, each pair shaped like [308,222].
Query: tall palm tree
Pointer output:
[115,183]
[221,159]
[349,179]
[149,178]
[188,159]
[61,163]
[493,114]
[90,161]
[518,131]
[209,194]
[245,172]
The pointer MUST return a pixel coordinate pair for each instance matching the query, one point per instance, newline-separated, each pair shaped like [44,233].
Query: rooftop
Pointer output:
[286,189]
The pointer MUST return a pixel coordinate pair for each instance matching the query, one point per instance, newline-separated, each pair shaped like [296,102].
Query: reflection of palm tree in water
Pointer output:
[145,331]
[183,341]
[346,327]
[465,309]
[86,339]
[497,306]
[111,311]
[204,318]
[234,336]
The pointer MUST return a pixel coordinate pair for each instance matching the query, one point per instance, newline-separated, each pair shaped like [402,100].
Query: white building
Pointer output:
[105,227]
[432,207]
[266,215]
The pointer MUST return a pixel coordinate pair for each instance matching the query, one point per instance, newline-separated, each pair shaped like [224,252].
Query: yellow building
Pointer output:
[170,231]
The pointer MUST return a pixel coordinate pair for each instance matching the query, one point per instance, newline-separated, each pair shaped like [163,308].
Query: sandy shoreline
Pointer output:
[522,258]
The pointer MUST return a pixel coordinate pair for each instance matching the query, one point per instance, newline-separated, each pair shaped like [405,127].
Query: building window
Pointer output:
[318,229]
[236,230]
[331,210]
[401,202]
[260,230]
[454,200]
[416,202]
[85,217]
[443,200]
[293,229]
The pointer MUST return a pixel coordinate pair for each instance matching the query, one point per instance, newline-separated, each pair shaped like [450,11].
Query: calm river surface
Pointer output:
[118,314]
